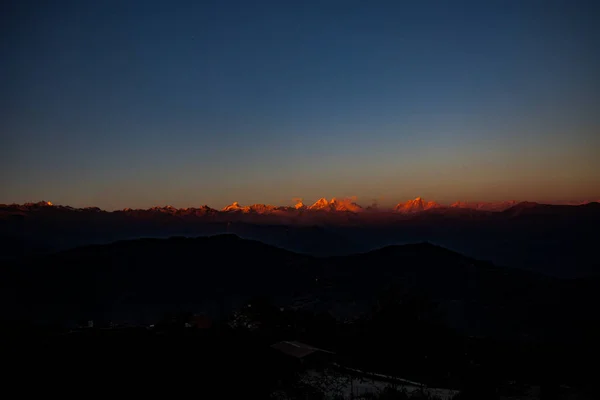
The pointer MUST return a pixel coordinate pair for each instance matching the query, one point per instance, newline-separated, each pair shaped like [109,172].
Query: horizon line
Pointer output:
[314,206]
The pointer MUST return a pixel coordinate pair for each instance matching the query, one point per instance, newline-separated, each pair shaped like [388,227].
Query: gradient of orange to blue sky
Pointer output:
[140,103]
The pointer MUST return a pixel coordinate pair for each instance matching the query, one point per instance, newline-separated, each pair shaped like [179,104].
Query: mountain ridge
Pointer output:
[414,206]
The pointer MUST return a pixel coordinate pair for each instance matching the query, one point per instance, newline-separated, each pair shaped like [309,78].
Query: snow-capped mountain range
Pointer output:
[335,205]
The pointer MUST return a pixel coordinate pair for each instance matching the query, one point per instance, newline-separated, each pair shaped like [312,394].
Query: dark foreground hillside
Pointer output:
[419,312]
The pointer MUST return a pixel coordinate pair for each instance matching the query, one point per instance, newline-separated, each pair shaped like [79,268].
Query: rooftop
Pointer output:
[297,349]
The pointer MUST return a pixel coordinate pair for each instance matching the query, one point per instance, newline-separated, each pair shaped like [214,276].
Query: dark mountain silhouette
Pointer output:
[139,280]
[477,297]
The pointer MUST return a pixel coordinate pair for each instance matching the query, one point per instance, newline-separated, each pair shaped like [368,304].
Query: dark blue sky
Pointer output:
[140,103]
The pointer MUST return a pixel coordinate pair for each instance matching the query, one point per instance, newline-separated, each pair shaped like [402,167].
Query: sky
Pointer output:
[144,103]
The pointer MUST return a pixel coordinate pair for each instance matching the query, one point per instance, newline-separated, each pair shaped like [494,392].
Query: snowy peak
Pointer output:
[415,206]
[299,204]
[335,205]
[254,208]
[344,205]
[235,206]
[320,204]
